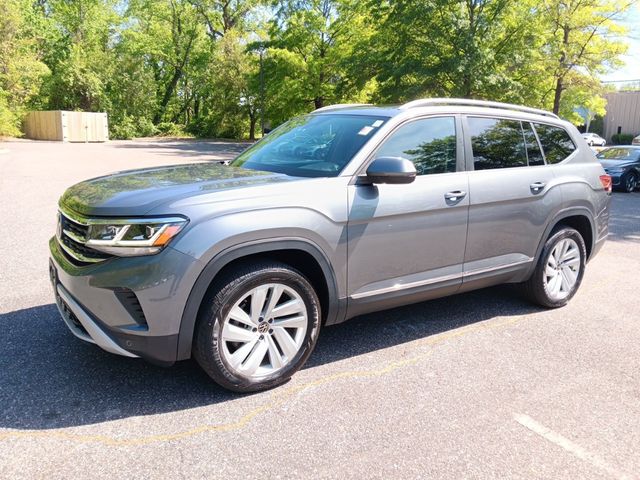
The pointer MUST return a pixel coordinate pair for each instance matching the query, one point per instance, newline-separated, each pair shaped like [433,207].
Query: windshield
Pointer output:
[311,146]
[629,154]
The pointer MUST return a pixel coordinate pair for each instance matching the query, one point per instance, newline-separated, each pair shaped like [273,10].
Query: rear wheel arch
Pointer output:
[302,255]
[579,219]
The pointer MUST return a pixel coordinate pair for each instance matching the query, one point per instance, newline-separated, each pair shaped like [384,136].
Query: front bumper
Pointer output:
[82,325]
[147,323]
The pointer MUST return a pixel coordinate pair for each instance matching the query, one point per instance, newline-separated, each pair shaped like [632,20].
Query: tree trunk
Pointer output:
[252,126]
[558,95]
[167,95]
[562,70]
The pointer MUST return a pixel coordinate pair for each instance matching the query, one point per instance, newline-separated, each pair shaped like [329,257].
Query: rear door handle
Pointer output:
[455,196]
[537,187]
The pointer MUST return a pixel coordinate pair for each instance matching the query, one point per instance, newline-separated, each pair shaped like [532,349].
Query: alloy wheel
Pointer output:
[264,330]
[631,182]
[562,269]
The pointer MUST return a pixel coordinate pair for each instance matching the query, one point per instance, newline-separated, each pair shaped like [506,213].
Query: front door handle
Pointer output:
[537,187]
[455,196]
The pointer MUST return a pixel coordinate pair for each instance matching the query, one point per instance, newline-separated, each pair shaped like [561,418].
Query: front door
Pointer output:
[407,242]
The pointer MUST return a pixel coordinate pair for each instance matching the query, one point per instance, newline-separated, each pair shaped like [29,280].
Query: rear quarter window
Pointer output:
[556,142]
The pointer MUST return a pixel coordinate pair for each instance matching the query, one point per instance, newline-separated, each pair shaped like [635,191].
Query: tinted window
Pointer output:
[556,142]
[534,155]
[311,146]
[429,143]
[496,143]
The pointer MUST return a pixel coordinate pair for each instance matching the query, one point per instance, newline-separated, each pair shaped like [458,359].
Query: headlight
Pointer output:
[131,237]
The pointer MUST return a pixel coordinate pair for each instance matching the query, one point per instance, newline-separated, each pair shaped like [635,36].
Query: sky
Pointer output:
[631,69]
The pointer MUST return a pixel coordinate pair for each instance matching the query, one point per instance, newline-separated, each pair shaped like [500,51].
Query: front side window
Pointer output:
[556,142]
[496,143]
[430,143]
[311,146]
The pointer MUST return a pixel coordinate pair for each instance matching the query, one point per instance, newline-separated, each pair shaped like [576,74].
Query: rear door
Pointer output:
[408,240]
[512,195]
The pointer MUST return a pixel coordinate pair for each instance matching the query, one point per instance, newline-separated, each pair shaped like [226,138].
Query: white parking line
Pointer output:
[573,448]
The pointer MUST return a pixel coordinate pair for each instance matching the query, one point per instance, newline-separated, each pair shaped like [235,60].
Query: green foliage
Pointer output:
[21,71]
[129,127]
[216,68]
[169,129]
[8,120]
[622,138]
[597,125]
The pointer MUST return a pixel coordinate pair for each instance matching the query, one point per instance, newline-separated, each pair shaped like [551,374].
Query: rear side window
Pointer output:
[497,143]
[556,142]
[430,143]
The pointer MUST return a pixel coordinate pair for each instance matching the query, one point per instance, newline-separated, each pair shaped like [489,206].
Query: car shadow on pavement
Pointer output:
[49,379]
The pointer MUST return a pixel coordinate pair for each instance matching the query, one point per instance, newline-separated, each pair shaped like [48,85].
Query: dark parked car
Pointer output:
[623,164]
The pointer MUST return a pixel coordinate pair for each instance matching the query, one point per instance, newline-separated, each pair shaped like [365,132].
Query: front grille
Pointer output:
[77,229]
[72,235]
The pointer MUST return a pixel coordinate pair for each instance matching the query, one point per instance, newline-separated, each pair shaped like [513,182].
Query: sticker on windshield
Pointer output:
[377,123]
[365,130]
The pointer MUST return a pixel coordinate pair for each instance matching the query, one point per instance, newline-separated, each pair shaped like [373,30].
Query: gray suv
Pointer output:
[347,210]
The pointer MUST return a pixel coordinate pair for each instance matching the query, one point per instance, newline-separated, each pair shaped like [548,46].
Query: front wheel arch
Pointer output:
[334,310]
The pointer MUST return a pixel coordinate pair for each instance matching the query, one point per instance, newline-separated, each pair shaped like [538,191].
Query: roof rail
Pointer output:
[427,102]
[340,106]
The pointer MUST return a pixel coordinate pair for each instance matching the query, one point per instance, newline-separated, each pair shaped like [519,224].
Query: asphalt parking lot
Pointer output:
[480,385]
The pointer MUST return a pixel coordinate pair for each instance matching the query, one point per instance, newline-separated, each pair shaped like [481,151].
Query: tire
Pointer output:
[629,182]
[550,286]
[244,351]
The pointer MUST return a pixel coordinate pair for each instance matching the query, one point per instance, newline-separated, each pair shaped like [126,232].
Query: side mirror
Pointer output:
[395,170]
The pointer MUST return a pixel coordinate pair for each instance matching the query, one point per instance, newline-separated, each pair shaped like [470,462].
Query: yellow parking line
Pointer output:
[278,398]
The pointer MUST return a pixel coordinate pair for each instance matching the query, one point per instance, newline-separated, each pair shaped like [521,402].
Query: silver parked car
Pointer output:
[594,140]
[347,210]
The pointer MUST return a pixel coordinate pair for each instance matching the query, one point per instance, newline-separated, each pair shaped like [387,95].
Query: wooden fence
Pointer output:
[67,126]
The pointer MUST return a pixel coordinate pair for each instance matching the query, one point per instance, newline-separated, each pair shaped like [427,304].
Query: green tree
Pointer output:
[312,42]
[582,40]
[80,56]
[464,48]
[21,70]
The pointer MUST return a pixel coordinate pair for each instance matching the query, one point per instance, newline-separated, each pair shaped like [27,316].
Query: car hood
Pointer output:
[615,163]
[136,192]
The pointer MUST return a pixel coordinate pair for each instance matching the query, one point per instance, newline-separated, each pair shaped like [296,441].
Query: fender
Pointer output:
[336,309]
[564,213]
